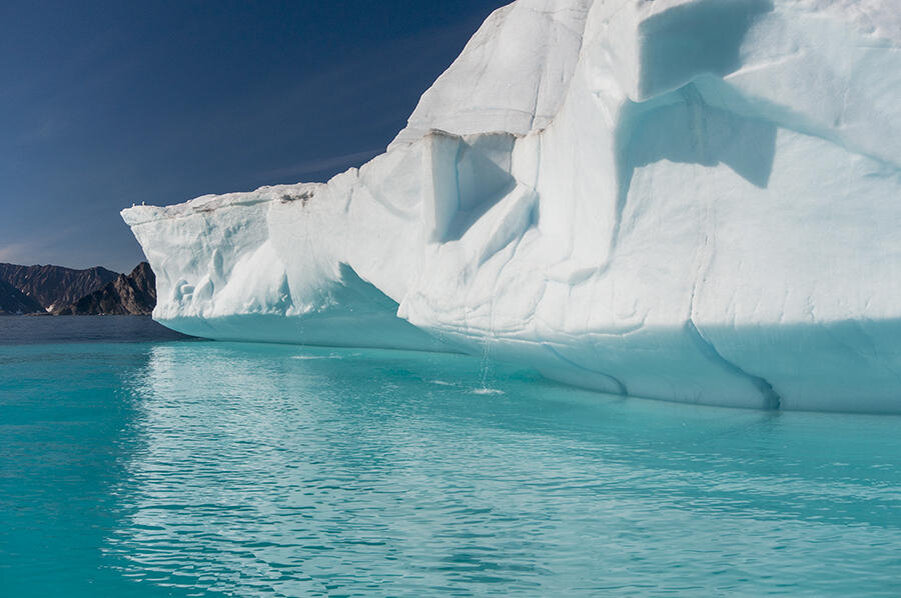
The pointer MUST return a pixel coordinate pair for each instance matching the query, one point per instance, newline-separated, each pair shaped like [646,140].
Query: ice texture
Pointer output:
[691,200]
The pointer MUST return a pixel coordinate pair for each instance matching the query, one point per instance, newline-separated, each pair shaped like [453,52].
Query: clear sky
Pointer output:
[105,104]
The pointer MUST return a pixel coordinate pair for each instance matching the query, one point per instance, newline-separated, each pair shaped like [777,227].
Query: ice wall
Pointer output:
[691,200]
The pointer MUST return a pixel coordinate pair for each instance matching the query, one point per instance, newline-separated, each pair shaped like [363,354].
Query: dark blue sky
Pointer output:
[107,103]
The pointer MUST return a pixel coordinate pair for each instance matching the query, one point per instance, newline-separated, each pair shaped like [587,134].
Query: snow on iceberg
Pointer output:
[692,200]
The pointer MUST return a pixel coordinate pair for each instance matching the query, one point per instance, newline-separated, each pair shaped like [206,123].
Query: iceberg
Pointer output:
[688,200]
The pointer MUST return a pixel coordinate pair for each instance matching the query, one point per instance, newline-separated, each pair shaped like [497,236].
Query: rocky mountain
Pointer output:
[55,286]
[14,301]
[131,294]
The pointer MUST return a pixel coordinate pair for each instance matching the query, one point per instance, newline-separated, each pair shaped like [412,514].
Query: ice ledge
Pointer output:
[302,192]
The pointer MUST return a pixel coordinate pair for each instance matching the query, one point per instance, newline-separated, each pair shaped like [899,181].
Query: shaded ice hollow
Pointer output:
[695,201]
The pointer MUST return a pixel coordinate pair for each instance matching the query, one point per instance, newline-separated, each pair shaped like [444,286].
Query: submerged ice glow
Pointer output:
[686,199]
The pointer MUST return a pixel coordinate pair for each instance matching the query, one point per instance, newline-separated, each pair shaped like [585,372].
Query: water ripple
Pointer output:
[205,469]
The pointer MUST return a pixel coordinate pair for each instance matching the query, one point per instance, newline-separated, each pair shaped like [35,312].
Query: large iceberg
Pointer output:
[692,200]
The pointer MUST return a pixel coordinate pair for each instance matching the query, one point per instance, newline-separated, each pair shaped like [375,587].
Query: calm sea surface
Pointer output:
[132,464]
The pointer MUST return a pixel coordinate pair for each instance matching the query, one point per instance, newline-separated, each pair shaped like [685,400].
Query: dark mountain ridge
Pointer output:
[132,294]
[14,301]
[54,286]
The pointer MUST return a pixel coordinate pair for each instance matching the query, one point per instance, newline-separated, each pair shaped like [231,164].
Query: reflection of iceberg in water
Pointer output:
[256,473]
[692,200]
[217,428]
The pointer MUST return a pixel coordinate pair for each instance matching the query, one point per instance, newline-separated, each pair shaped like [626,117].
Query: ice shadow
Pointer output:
[682,128]
[685,41]
[692,132]
[482,171]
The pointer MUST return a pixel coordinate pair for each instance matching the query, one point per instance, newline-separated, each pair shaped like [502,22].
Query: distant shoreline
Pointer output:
[54,290]
[48,314]
[29,330]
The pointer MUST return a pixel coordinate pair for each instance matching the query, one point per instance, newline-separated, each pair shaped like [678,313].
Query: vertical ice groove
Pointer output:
[771,399]
[621,388]
[705,257]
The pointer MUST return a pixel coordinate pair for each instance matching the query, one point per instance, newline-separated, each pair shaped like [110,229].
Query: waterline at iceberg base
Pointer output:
[695,201]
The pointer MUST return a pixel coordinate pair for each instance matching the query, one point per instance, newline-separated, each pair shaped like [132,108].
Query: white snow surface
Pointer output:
[690,200]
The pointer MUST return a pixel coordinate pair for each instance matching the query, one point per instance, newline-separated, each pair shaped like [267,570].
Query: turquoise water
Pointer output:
[194,468]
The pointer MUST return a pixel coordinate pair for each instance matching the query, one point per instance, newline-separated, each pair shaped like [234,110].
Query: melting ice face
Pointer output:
[686,200]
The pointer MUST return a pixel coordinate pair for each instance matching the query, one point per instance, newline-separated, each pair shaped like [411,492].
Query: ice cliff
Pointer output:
[692,200]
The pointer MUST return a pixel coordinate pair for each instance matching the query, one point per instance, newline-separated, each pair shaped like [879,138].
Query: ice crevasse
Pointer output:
[690,200]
